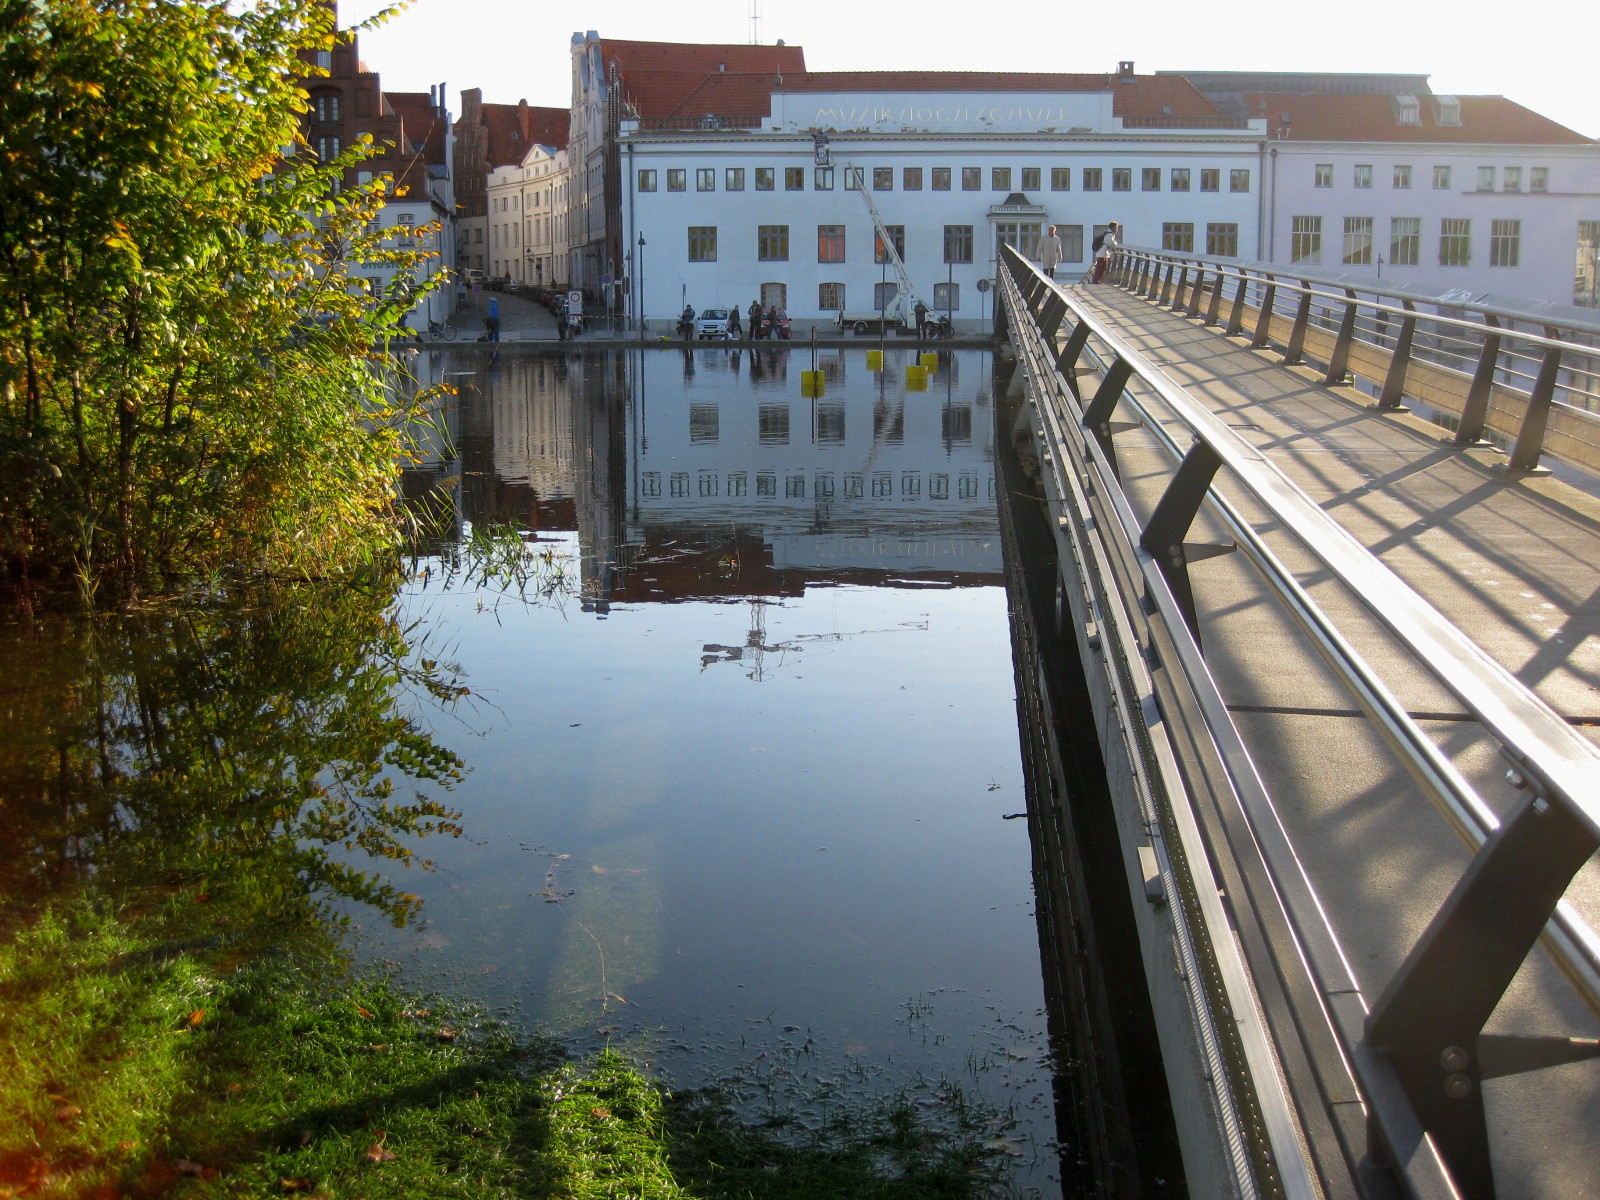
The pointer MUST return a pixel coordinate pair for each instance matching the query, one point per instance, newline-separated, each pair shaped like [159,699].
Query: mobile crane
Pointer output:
[893,315]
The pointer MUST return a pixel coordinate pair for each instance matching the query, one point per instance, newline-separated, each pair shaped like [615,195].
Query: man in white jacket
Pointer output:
[1050,252]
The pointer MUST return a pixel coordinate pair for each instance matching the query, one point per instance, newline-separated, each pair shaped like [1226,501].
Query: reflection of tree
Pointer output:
[235,746]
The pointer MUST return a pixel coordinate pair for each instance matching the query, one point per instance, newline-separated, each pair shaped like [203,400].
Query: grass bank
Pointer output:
[162,1053]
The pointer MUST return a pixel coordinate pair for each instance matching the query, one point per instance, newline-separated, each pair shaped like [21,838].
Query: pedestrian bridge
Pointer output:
[1317,571]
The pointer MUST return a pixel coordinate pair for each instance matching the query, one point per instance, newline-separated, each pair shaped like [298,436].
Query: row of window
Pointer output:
[1090,179]
[854,487]
[1222,237]
[773,241]
[1405,241]
[1510,177]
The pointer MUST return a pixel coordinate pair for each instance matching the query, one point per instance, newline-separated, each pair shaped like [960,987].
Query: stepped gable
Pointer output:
[1492,120]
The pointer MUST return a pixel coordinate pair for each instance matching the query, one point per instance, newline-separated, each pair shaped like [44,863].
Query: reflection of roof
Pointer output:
[749,94]
[1374,118]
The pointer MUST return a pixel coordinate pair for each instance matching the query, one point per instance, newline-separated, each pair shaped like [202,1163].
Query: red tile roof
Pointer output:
[419,123]
[514,128]
[658,76]
[1490,119]
[731,94]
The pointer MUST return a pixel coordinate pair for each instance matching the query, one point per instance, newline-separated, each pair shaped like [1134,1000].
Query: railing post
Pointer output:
[1155,280]
[1050,315]
[1236,310]
[1530,438]
[1165,299]
[1339,360]
[1296,350]
[1163,534]
[1269,301]
[1394,382]
[1194,294]
[1476,409]
[1067,360]
[1214,304]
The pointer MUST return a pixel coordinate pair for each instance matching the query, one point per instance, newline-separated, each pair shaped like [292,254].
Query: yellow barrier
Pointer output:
[874,360]
[916,379]
[931,361]
[811,385]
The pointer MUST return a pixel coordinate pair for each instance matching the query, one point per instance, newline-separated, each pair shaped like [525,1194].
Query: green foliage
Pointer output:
[192,377]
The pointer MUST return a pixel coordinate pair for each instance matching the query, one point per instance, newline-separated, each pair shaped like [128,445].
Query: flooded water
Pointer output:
[738,758]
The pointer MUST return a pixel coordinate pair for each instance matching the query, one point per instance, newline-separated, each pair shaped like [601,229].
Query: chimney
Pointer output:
[1125,71]
[524,120]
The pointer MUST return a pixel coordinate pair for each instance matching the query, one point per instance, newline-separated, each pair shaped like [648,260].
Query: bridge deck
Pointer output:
[1513,560]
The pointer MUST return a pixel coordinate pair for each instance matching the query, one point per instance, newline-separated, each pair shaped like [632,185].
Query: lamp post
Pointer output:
[641,286]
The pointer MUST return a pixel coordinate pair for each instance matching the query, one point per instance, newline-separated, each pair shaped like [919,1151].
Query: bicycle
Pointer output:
[441,330]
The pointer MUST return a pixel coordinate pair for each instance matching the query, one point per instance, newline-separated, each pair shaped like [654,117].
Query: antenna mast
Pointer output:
[755,22]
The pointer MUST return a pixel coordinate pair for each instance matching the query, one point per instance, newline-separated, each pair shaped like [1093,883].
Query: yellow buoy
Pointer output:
[874,360]
[811,384]
[916,379]
[931,361]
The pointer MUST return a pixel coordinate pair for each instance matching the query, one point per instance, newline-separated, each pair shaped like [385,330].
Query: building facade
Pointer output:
[525,224]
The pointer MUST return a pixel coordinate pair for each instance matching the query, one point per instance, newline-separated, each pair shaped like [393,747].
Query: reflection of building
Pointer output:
[707,474]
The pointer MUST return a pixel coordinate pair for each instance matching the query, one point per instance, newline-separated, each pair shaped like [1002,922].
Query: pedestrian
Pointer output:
[491,327]
[921,313]
[734,331]
[755,319]
[1050,252]
[1104,244]
[560,311]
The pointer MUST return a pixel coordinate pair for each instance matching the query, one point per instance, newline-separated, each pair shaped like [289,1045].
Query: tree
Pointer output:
[194,376]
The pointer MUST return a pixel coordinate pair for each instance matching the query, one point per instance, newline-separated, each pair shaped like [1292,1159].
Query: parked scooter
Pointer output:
[775,324]
[940,330]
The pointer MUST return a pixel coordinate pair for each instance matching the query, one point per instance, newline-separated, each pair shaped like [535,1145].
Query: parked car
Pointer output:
[712,323]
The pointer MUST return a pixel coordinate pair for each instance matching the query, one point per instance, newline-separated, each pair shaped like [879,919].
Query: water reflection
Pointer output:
[227,746]
[742,801]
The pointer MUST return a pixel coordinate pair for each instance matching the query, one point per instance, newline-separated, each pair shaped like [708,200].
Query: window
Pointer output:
[1357,240]
[946,297]
[1363,176]
[1505,243]
[897,239]
[1408,110]
[1122,179]
[1455,242]
[1405,241]
[1000,178]
[830,296]
[1324,176]
[1024,235]
[1060,179]
[675,179]
[971,178]
[958,243]
[705,179]
[1179,180]
[772,243]
[733,179]
[883,295]
[772,426]
[1091,179]
[883,179]
[1030,179]
[1210,179]
[1305,240]
[327,148]
[1486,179]
[1511,180]
[325,107]
[941,179]
[325,59]
[1239,179]
[764,179]
[1150,179]
[775,295]
[1449,110]
[1538,179]
[1441,178]
[1177,235]
[794,179]
[702,243]
[705,427]
[911,179]
[1402,176]
[822,179]
[1222,239]
[1071,242]
[1586,278]
[852,179]
[830,244]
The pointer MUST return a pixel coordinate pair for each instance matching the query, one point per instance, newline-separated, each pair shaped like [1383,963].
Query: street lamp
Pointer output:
[640,282]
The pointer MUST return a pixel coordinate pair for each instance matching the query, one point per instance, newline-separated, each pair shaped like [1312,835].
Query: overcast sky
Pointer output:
[1541,53]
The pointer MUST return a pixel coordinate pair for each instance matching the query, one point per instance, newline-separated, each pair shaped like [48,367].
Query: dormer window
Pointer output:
[1449,110]
[1408,110]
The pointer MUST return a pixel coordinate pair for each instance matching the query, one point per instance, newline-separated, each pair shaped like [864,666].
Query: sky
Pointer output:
[1540,53]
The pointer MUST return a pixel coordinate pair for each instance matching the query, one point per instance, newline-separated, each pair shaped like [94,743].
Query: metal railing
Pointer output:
[1527,375]
[1415,1055]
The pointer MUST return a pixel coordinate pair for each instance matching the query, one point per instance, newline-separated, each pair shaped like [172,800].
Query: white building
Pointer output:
[524,233]
[1469,193]
[752,188]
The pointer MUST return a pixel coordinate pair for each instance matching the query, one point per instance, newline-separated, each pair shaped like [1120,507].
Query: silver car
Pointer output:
[712,323]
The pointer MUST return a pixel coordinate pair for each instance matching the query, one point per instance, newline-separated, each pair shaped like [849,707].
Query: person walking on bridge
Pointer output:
[1050,252]
[1103,246]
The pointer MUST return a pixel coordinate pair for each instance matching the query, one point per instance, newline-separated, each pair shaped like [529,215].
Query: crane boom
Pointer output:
[903,280]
